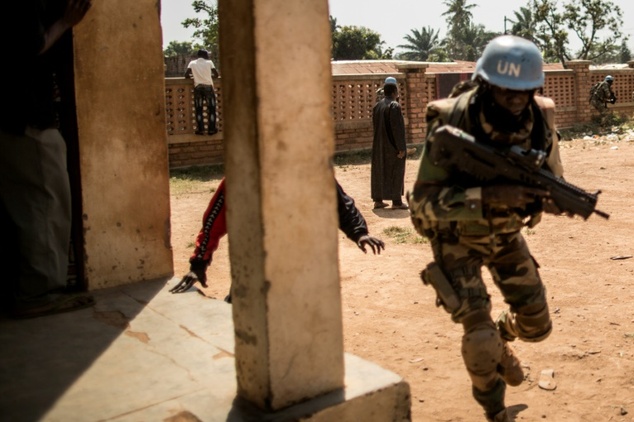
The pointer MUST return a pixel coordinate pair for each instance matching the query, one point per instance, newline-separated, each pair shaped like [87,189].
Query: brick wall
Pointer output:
[353,97]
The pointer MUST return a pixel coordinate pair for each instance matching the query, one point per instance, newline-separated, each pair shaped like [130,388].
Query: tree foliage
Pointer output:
[206,30]
[179,48]
[524,24]
[596,24]
[625,54]
[458,17]
[357,43]
[423,45]
[620,55]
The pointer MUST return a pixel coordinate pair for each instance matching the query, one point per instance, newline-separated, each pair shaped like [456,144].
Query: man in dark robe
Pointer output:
[388,149]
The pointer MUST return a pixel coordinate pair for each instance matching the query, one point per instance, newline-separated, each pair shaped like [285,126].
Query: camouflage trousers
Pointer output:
[515,274]
[601,106]
[513,270]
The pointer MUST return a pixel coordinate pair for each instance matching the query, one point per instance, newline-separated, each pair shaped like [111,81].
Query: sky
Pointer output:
[394,19]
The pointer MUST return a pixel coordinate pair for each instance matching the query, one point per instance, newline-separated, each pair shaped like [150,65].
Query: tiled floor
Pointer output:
[144,354]
[141,353]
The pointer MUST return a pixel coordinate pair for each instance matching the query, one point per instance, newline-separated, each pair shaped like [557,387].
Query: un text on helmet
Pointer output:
[508,68]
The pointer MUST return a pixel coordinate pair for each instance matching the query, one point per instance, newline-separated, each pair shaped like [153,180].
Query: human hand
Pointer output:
[376,244]
[189,280]
[549,206]
[512,196]
[401,154]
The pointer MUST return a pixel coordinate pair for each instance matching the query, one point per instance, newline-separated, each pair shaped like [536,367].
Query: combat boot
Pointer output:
[503,416]
[510,368]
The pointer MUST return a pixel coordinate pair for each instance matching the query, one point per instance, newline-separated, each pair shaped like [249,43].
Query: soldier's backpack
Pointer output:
[593,89]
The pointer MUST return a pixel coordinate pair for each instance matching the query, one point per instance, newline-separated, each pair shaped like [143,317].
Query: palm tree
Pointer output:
[474,41]
[459,20]
[421,44]
[458,14]
[524,24]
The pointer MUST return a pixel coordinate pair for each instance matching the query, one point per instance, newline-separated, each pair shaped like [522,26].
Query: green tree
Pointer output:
[423,45]
[179,48]
[475,38]
[357,43]
[333,25]
[596,23]
[620,55]
[205,27]
[524,24]
[458,19]
[624,52]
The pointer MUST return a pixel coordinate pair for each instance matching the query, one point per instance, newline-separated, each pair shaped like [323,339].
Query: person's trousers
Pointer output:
[35,212]
[205,94]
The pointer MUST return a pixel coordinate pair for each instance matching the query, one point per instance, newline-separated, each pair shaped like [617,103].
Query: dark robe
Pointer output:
[388,171]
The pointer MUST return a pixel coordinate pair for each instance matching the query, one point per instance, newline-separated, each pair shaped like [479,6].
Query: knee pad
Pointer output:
[481,351]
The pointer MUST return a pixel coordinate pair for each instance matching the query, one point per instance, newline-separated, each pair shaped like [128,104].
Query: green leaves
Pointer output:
[357,43]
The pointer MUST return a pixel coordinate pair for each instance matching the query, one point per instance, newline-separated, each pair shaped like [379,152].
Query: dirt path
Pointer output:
[390,319]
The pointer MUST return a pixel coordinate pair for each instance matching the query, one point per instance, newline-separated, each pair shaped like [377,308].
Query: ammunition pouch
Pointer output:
[445,293]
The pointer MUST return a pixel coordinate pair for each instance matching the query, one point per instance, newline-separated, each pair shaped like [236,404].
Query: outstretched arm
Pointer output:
[352,223]
[214,227]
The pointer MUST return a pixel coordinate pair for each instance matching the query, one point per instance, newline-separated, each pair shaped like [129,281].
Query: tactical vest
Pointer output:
[460,113]
[457,112]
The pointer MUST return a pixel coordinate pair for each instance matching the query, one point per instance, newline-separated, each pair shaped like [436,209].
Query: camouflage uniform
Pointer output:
[602,96]
[465,234]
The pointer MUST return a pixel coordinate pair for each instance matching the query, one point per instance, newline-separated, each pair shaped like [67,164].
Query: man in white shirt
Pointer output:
[203,71]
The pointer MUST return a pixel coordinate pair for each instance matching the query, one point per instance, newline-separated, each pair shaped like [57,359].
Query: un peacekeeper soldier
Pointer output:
[471,223]
[603,95]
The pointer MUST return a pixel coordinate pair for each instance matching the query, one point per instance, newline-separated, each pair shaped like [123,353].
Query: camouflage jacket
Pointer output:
[604,92]
[453,201]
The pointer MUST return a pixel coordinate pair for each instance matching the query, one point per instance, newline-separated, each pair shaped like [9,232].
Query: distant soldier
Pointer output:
[602,94]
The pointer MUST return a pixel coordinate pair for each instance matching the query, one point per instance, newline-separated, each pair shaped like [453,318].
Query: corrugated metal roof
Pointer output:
[355,67]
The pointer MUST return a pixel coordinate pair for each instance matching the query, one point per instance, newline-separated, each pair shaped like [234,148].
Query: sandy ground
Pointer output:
[390,318]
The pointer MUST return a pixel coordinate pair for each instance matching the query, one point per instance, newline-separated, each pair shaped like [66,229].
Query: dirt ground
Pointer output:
[390,318]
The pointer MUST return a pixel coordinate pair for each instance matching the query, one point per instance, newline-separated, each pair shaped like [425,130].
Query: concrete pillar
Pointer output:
[120,96]
[279,140]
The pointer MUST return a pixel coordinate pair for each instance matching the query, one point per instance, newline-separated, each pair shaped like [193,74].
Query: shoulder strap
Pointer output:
[543,135]
[458,116]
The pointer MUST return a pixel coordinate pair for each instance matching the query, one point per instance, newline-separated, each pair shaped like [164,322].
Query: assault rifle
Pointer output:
[454,148]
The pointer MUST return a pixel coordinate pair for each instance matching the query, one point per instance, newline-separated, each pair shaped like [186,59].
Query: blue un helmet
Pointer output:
[390,81]
[511,62]
[609,79]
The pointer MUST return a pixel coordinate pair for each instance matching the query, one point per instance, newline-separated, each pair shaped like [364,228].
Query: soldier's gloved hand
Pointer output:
[549,206]
[189,280]
[376,244]
[512,196]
